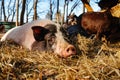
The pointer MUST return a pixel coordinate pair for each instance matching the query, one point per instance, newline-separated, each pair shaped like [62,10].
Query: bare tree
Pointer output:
[63,12]
[58,13]
[1,11]
[67,3]
[35,9]
[58,6]
[28,9]
[3,8]
[52,7]
[74,6]
[13,11]
[8,10]
[51,12]
[22,12]
[17,12]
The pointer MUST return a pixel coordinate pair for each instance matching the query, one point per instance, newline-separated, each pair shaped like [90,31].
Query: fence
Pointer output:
[8,25]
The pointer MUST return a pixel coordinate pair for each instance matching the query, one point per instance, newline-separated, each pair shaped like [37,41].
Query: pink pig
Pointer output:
[41,35]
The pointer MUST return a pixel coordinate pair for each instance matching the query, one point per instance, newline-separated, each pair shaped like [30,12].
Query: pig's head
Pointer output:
[49,37]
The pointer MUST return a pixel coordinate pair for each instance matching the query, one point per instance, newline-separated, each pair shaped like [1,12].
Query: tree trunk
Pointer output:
[13,11]
[3,7]
[28,9]
[17,12]
[58,13]
[63,12]
[67,11]
[22,12]
[8,11]
[35,10]
[1,11]
[51,10]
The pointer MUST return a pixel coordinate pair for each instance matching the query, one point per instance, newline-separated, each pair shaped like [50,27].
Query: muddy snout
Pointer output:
[69,50]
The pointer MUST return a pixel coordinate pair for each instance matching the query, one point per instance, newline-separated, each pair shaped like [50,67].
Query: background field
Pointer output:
[95,61]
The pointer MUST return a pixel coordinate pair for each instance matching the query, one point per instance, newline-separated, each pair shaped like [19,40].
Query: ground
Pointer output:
[96,61]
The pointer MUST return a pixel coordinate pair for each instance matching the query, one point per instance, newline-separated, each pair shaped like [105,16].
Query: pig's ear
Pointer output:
[39,32]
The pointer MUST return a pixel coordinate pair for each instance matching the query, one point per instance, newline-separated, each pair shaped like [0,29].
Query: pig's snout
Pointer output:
[69,50]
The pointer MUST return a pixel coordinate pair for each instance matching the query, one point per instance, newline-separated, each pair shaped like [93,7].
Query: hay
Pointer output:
[98,61]
[116,10]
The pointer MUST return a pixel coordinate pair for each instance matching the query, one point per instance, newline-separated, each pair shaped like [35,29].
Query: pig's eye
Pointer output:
[50,39]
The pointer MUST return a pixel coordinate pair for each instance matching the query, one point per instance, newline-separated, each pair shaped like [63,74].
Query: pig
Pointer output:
[76,29]
[41,35]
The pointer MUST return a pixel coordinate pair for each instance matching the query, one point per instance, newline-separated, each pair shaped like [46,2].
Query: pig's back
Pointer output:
[23,34]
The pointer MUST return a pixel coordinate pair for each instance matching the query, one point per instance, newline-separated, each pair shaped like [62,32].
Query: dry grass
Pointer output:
[97,62]
[116,10]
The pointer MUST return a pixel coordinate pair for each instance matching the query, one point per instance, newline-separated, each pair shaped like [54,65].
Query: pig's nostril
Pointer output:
[70,49]
[73,49]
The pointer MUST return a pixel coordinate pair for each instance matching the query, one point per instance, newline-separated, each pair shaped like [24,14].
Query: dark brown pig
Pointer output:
[41,35]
